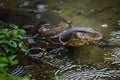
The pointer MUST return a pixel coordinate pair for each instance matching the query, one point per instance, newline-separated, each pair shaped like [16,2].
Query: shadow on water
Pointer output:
[88,62]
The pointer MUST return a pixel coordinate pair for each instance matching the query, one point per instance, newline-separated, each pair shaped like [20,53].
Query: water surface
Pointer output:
[89,62]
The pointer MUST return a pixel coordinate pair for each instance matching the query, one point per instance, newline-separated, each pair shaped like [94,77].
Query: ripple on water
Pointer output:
[115,38]
[118,22]
[36,52]
[102,74]
[21,70]
[116,56]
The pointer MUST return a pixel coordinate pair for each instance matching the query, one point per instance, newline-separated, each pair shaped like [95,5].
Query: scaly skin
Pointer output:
[76,36]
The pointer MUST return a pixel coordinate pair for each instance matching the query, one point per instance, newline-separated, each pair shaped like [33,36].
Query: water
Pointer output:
[89,62]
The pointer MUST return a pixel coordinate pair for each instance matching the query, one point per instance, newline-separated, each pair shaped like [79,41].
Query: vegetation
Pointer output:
[10,44]
[56,78]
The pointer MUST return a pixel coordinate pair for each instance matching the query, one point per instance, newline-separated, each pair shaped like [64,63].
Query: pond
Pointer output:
[99,61]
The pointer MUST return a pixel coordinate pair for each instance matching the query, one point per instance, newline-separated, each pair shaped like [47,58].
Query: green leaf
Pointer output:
[10,50]
[12,60]
[5,32]
[24,49]
[56,77]
[6,42]
[2,53]
[20,44]
[13,44]
[12,57]
[3,59]
[1,36]
[26,78]
[2,65]
[9,43]
[14,26]
[14,33]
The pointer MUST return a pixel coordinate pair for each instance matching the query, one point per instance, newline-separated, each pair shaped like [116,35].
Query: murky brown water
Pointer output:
[89,62]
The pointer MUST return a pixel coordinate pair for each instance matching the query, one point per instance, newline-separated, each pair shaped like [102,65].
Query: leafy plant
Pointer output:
[10,43]
[56,78]
[10,40]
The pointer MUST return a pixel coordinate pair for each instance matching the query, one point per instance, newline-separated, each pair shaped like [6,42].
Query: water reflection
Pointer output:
[104,25]
[41,7]
[26,3]
[89,54]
